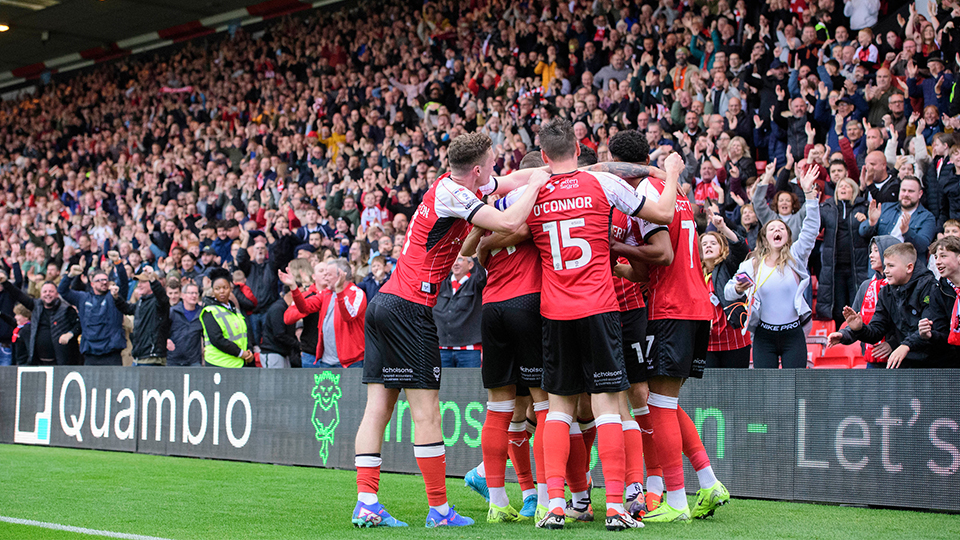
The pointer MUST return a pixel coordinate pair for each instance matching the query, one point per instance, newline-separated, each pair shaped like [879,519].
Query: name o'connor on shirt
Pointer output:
[560,205]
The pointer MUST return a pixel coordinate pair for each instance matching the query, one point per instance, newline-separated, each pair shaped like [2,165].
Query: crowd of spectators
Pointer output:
[308,143]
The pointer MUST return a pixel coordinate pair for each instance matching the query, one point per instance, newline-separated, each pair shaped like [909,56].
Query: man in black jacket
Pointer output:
[7,301]
[151,319]
[54,327]
[900,307]
[185,344]
[457,314]
[261,273]
[279,340]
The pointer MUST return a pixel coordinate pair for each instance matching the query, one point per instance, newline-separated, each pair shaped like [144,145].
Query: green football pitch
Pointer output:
[181,499]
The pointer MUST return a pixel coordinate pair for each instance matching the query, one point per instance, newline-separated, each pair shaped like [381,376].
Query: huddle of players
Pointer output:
[557,324]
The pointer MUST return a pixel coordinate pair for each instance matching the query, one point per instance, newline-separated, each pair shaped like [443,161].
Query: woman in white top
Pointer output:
[772,281]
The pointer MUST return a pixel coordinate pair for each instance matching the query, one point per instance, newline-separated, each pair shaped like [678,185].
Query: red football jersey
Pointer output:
[434,236]
[626,229]
[677,291]
[570,224]
[511,272]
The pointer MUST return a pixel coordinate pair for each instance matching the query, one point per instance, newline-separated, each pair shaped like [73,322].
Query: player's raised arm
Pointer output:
[626,170]
[513,218]
[514,180]
[661,211]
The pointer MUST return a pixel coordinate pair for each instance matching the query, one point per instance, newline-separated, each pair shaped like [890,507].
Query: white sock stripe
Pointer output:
[541,406]
[560,417]
[588,425]
[517,427]
[501,406]
[663,402]
[429,451]
[631,424]
[640,411]
[531,428]
[575,429]
[367,461]
[605,419]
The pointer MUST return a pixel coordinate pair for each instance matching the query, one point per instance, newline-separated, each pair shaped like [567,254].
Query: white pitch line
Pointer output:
[78,530]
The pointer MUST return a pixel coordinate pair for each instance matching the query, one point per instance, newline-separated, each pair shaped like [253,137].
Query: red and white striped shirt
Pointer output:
[724,337]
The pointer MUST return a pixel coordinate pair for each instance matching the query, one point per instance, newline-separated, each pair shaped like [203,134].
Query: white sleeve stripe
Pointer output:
[354,307]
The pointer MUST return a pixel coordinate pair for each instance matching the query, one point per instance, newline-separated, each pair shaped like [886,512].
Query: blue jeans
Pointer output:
[256,328]
[876,365]
[308,360]
[6,355]
[357,365]
[451,359]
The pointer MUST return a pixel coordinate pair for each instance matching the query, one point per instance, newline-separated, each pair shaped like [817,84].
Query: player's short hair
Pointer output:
[951,223]
[557,139]
[587,156]
[903,251]
[467,151]
[531,160]
[629,145]
[948,243]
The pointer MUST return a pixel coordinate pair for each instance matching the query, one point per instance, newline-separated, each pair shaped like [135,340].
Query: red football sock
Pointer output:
[589,436]
[611,452]
[633,452]
[556,436]
[368,473]
[576,469]
[494,443]
[669,444]
[433,466]
[650,458]
[692,445]
[519,451]
[538,437]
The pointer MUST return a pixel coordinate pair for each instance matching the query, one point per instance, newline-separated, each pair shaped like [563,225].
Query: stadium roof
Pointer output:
[60,35]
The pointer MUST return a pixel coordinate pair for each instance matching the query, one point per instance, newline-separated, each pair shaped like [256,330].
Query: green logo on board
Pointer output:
[326,411]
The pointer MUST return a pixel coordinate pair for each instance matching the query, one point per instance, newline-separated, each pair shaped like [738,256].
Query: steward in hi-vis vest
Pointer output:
[225,342]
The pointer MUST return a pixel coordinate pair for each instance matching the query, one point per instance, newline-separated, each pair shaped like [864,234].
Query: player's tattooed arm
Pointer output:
[627,170]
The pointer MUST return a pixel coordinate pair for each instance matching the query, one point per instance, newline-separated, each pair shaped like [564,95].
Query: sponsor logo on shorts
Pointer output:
[436,373]
[531,370]
[607,378]
[398,370]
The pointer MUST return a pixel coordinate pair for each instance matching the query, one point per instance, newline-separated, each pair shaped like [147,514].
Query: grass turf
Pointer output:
[185,499]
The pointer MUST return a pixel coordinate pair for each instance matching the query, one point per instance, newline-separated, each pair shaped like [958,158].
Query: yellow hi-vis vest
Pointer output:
[234,329]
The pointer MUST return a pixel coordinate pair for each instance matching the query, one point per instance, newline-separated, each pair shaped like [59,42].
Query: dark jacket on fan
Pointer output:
[63,319]
[842,247]
[899,310]
[151,322]
[458,314]
[187,337]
